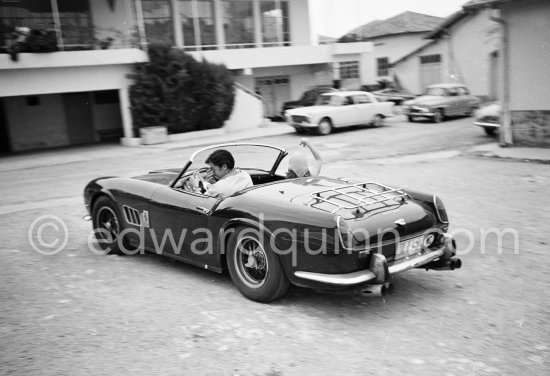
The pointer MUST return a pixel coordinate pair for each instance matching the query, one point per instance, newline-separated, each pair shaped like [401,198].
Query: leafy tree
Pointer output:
[177,91]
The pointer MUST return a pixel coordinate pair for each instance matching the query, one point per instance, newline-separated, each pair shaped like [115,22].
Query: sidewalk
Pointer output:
[493,150]
[84,153]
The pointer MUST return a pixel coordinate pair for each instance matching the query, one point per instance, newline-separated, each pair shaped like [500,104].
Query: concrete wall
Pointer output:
[529,53]
[469,48]
[408,71]
[247,112]
[300,33]
[465,56]
[529,26]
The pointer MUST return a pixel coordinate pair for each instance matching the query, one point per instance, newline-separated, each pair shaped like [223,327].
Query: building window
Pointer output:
[382,66]
[33,100]
[238,23]
[106,97]
[157,18]
[198,23]
[75,26]
[275,29]
[428,59]
[349,69]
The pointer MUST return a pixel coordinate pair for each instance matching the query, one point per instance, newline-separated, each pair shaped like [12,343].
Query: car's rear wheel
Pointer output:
[438,116]
[410,118]
[107,226]
[254,267]
[300,130]
[378,121]
[325,127]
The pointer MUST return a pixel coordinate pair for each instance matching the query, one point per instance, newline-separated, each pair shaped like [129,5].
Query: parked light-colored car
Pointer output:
[488,118]
[441,101]
[340,109]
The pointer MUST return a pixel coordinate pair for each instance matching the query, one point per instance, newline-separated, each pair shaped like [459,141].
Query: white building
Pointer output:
[462,49]
[79,93]
[524,29]
[392,39]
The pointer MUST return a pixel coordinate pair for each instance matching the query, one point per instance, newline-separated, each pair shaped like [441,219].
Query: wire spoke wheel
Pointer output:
[108,222]
[108,227]
[251,262]
[255,268]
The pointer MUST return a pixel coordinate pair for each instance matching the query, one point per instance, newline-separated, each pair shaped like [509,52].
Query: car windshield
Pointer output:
[329,100]
[247,156]
[435,91]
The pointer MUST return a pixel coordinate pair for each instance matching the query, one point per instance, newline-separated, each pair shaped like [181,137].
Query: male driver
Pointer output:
[225,178]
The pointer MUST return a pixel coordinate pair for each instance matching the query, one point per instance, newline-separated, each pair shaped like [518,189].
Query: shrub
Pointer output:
[177,91]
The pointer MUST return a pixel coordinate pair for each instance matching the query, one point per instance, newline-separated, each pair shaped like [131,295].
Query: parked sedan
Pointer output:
[488,118]
[441,101]
[322,233]
[393,95]
[340,109]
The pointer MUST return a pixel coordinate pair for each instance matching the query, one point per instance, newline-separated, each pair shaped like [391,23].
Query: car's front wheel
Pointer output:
[438,116]
[325,127]
[254,267]
[107,226]
[378,121]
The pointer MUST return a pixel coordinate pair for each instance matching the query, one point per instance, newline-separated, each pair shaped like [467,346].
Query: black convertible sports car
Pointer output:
[317,232]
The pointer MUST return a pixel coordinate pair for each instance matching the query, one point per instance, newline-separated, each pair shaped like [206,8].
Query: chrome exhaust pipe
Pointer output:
[449,264]
[381,289]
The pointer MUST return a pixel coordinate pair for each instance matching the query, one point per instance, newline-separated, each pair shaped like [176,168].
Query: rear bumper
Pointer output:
[419,113]
[483,124]
[367,276]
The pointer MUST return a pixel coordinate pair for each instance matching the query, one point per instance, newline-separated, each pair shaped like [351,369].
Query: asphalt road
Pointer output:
[77,313]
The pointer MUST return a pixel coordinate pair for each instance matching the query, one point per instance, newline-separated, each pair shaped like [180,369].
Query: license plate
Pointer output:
[409,247]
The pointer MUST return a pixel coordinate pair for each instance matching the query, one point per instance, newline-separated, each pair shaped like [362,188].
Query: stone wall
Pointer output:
[531,128]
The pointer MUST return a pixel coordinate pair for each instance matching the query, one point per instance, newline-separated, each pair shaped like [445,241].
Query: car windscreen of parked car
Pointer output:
[436,91]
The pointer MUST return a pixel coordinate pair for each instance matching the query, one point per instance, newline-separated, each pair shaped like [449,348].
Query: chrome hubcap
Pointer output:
[251,263]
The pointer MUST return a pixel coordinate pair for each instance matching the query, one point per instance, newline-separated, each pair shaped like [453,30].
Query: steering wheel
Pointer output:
[198,177]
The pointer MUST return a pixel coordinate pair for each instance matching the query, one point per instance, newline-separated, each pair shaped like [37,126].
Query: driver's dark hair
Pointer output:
[221,157]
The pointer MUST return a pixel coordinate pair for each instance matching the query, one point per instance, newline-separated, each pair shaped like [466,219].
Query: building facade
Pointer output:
[525,49]
[392,39]
[70,85]
[463,49]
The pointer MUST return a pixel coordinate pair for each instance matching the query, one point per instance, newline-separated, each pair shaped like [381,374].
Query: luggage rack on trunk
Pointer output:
[356,196]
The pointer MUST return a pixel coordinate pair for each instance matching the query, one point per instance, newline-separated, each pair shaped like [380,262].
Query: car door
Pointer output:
[454,102]
[338,111]
[349,111]
[180,223]
[465,99]
[365,109]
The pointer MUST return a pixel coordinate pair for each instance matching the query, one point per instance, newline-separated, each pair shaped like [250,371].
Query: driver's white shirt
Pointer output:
[229,184]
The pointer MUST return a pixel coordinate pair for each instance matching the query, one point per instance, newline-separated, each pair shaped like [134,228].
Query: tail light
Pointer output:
[440,210]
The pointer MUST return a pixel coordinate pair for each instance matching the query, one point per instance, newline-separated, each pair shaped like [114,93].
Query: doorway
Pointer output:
[78,114]
[5,144]
[274,91]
